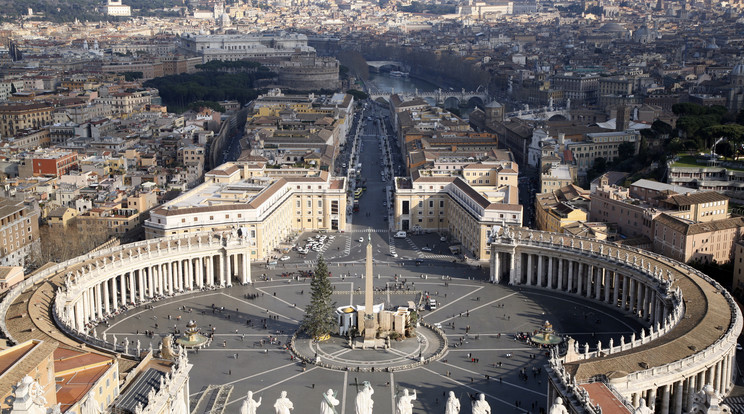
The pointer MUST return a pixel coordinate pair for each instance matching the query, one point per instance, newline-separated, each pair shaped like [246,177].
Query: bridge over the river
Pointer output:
[478,98]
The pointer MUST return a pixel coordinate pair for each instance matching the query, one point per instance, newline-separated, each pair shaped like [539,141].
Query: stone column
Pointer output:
[717,377]
[246,274]
[172,276]
[496,272]
[560,275]
[615,288]
[631,294]
[142,283]
[597,277]
[98,301]
[651,401]
[549,285]
[540,260]
[79,320]
[570,276]
[691,390]
[579,278]
[106,298]
[86,306]
[190,273]
[227,272]
[625,292]
[151,281]
[114,293]
[530,271]
[515,268]
[133,277]
[665,399]
[604,275]
[678,397]
[639,298]
[202,262]
[210,270]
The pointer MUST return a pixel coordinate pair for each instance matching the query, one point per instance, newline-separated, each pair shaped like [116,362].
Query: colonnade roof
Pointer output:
[707,315]
[30,314]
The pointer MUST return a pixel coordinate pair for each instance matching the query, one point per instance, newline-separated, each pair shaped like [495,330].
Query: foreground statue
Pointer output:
[453,404]
[480,406]
[405,403]
[249,404]
[283,405]
[558,407]
[329,403]
[363,402]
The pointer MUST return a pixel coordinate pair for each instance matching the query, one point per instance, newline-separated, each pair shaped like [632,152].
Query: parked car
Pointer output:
[284,258]
[426,249]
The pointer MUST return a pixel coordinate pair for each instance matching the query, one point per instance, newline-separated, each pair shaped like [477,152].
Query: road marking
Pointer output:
[270,311]
[454,301]
[462,384]
[271,386]
[478,374]
[481,306]
[249,377]
[188,297]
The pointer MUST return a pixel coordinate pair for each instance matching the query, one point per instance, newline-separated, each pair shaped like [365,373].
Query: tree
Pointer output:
[320,318]
[358,95]
[626,150]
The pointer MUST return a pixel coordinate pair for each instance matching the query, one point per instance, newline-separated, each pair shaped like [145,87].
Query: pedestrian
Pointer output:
[229,372]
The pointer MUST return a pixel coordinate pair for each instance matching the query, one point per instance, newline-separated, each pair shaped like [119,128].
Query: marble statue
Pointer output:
[453,404]
[558,407]
[166,348]
[480,406]
[283,405]
[363,402]
[249,404]
[329,402]
[642,408]
[405,402]
[91,406]
[29,397]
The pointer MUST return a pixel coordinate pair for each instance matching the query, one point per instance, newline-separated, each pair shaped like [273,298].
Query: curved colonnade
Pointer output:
[692,323]
[104,283]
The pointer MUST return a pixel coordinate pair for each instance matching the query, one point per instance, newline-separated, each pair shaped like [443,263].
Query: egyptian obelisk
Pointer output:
[370,321]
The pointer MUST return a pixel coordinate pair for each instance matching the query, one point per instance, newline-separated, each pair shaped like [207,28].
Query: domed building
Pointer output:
[614,29]
[644,35]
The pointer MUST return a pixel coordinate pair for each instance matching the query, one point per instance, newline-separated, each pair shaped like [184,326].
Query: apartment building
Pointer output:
[602,144]
[19,231]
[708,242]
[112,220]
[444,204]
[268,204]
[579,88]
[559,208]
[17,117]
[53,163]
[128,102]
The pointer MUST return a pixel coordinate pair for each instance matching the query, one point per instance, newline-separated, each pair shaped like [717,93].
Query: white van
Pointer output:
[400,235]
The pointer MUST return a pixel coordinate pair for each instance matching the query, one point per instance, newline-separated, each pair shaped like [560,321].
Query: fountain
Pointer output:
[546,336]
[191,337]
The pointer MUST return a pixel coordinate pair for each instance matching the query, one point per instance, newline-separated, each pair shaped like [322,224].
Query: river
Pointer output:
[386,83]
